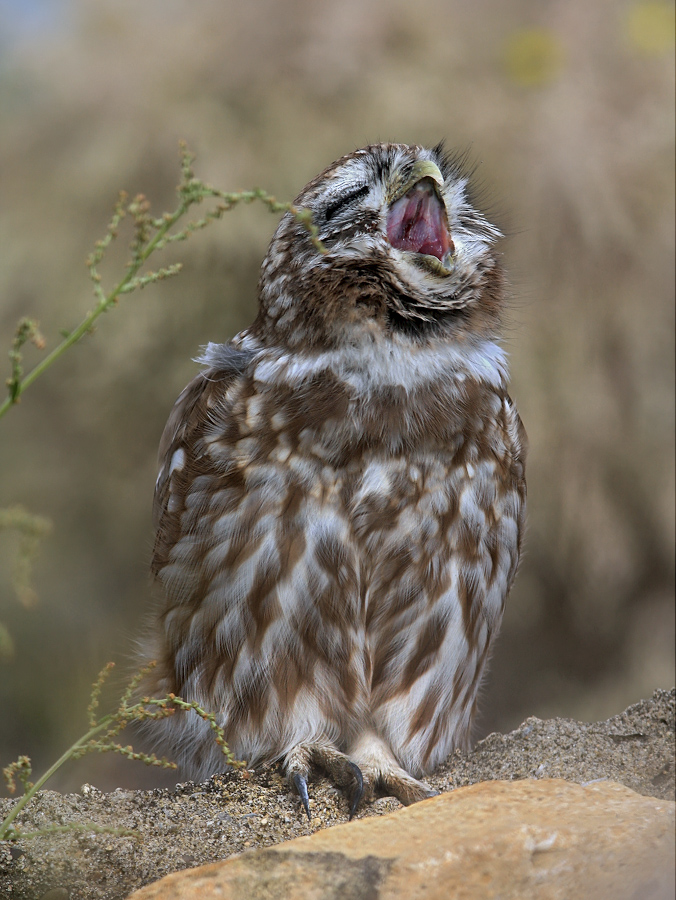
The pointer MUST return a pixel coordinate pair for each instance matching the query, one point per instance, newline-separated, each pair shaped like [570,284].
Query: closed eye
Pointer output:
[345,200]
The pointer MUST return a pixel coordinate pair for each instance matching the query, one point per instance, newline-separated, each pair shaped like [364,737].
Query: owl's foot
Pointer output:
[396,782]
[370,770]
[344,773]
[384,776]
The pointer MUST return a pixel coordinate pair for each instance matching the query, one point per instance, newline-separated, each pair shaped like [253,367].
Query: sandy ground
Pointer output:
[199,823]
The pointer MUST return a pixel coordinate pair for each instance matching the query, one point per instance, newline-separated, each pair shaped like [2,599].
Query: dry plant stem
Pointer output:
[105,302]
[27,330]
[109,726]
[191,192]
[6,831]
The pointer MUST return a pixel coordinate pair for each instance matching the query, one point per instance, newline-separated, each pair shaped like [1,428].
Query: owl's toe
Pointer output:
[357,791]
[405,788]
[342,771]
[383,774]
[300,783]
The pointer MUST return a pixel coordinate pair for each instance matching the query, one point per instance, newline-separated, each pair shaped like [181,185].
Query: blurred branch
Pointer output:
[31,530]
[150,235]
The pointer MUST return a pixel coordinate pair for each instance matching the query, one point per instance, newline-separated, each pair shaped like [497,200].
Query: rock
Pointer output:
[197,824]
[527,839]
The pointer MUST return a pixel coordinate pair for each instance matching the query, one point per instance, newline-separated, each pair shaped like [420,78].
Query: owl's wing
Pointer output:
[256,565]
[516,440]
[176,433]
[181,454]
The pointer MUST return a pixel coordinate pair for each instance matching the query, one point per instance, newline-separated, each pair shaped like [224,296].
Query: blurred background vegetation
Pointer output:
[568,108]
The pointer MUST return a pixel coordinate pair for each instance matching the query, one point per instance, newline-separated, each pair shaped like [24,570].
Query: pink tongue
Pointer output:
[417,222]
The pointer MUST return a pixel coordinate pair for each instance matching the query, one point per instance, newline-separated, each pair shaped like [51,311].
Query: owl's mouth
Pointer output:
[418,222]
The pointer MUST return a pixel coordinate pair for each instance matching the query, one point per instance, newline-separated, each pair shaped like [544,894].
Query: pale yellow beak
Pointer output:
[422,168]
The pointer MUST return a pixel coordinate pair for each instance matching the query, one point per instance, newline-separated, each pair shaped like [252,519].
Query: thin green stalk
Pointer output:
[104,303]
[5,830]
[191,192]
[111,725]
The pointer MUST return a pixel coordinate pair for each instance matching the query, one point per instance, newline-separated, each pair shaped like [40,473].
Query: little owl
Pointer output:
[341,495]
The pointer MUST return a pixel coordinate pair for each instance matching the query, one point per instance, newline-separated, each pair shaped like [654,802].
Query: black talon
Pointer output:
[358,791]
[300,784]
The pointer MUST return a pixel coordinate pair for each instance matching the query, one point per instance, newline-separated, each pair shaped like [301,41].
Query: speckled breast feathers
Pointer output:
[341,494]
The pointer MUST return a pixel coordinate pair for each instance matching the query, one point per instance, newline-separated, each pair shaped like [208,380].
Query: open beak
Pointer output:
[417,218]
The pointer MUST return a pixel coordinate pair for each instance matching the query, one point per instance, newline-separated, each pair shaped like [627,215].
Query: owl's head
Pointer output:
[407,253]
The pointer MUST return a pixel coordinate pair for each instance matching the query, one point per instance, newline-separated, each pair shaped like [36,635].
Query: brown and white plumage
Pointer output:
[341,497]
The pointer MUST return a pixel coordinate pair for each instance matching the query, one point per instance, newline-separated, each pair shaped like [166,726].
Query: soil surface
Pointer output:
[199,823]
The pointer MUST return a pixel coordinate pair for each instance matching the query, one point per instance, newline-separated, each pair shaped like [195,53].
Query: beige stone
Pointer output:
[548,839]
